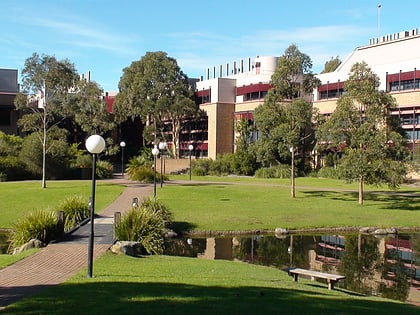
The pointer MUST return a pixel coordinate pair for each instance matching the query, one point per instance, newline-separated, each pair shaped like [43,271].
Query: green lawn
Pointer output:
[176,285]
[241,204]
[18,198]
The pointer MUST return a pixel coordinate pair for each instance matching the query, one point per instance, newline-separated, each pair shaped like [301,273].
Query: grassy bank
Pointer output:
[18,198]
[232,203]
[175,285]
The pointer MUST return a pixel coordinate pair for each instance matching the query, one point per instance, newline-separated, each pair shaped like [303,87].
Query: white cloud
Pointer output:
[320,43]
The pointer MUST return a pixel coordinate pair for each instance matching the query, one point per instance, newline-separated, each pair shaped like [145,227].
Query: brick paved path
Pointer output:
[57,262]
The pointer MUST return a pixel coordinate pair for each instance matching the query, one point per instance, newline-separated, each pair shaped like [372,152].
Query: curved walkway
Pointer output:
[57,262]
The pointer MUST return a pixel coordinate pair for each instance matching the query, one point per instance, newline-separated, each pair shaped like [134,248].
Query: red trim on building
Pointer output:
[109,100]
[260,87]
[331,86]
[203,93]
[197,146]
[243,115]
[403,76]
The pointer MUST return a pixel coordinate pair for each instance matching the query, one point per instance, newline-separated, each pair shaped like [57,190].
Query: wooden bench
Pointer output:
[332,279]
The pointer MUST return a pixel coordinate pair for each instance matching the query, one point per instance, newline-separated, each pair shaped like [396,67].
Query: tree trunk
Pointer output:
[361,190]
[292,175]
[44,148]
[176,130]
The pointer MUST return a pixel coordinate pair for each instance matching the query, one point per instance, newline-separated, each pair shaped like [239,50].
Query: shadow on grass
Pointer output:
[183,227]
[407,200]
[169,298]
[198,184]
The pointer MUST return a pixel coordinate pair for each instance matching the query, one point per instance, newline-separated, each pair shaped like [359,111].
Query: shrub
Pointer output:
[145,224]
[75,211]
[329,172]
[13,168]
[278,171]
[142,174]
[157,208]
[104,169]
[40,225]
[201,167]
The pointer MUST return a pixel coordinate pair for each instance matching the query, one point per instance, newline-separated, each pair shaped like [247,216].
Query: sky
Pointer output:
[104,37]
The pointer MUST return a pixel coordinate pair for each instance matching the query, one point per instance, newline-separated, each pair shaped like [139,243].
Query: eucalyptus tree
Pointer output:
[363,125]
[285,118]
[89,111]
[46,82]
[331,65]
[155,89]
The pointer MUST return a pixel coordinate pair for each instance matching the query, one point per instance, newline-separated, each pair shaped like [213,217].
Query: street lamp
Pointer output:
[190,147]
[155,152]
[95,144]
[162,146]
[122,145]
[292,173]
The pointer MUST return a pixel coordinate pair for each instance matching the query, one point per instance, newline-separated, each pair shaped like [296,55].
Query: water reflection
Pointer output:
[387,266]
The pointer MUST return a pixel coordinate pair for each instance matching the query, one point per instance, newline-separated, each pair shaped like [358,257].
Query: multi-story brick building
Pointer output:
[394,59]
[232,93]
[229,93]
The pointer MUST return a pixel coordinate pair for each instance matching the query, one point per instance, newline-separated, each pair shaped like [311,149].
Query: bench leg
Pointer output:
[295,277]
[331,284]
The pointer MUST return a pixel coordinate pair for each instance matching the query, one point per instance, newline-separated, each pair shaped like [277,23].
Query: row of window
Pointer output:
[404,85]
[393,86]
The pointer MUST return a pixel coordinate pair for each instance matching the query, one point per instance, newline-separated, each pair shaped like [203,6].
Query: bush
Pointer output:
[104,170]
[75,211]
[158,208]
[145,224]
[143,174]
[14,169]
[278,171]
[40,225]
[329,172]
[201,167]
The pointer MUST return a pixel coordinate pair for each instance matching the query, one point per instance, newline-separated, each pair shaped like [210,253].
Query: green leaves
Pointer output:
[362,128]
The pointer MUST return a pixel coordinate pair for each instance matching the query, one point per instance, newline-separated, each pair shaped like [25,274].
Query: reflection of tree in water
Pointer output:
[395,272]
[272,251]
[180,247]
[359,262]
[398,290]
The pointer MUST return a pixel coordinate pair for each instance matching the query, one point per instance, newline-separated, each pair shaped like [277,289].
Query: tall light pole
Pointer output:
[95,144]
[190,148]
[292,173]
[155,152]
[162,147]
[122,145]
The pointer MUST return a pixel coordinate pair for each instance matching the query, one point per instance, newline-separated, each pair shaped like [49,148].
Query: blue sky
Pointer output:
[104,36]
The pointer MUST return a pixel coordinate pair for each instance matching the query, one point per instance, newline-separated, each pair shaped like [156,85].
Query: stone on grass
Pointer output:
[129,248]
[33,243]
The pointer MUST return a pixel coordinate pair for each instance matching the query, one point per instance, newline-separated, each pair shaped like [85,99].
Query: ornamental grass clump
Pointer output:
[145,224]
[75,209]
[39,224]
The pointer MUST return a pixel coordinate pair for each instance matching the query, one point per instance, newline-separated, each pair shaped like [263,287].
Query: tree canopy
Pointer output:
[285,118]
[46,83]
[156,90]
[363,126]
[331,65]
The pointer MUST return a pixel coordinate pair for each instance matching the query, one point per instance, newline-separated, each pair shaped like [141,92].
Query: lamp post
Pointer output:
[292,173]
[122,145]
[95,144]
[162,146]
[155,152]
[190,147]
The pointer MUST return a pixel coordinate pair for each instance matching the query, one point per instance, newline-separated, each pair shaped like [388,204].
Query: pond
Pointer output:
[387,266]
